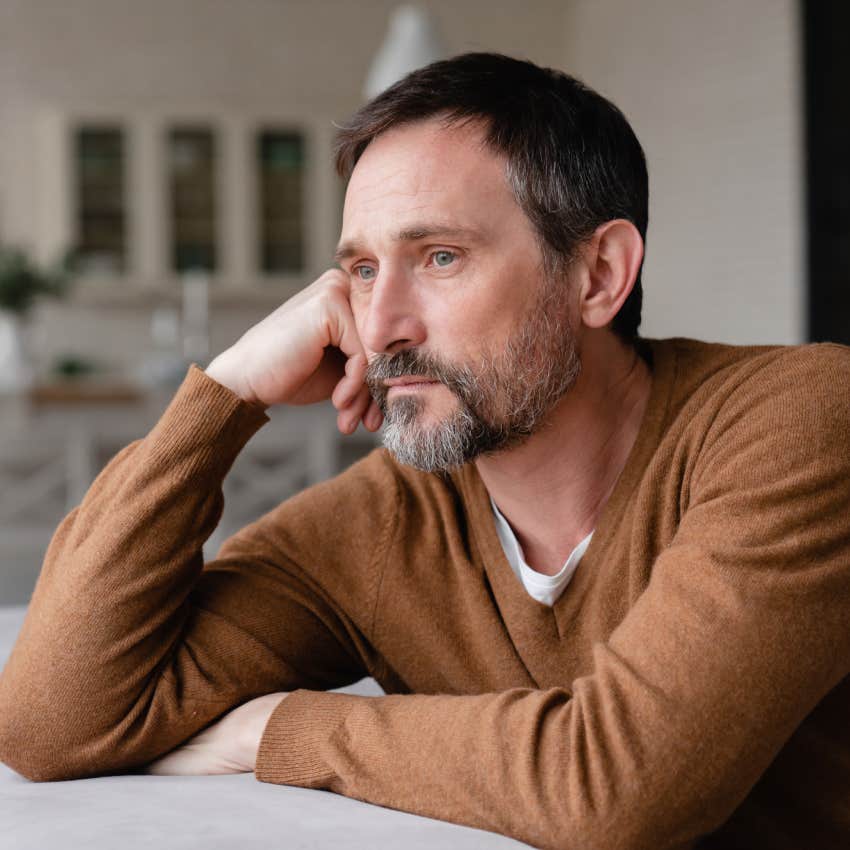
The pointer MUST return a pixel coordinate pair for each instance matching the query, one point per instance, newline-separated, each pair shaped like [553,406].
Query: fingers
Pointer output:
[362,409]
[349,417]
[343,330]
[351,383]
[351,396]
[373,418]
[353,400]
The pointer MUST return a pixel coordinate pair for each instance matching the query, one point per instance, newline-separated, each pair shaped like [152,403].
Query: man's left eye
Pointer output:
[443,258]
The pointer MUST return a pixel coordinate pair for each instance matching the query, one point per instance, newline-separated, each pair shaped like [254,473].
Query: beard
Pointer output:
[501,403]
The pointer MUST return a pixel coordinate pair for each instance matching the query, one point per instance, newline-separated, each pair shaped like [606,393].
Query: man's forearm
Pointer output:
[109,605]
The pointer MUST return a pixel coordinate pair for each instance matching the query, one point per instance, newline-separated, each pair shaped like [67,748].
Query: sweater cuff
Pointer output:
[204,427]
[293,747]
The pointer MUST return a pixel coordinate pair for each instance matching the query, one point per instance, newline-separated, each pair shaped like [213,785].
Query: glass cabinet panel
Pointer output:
[192,192]
[101,238]
[280,159]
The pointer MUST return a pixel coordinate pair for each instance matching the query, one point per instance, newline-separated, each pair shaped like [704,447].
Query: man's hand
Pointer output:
[306,351]
[230,745]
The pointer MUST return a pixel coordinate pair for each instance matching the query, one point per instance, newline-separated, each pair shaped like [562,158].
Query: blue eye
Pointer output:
[443,258]
[369,272]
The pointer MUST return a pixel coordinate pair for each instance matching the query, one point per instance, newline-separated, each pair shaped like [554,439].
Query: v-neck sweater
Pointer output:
[543,587]
[687,690]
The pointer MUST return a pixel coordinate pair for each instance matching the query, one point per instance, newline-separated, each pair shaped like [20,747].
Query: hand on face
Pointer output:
[306,351]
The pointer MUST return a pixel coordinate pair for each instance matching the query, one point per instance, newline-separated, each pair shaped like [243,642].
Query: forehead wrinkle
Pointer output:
[349,247]
[419,189]
[402,180]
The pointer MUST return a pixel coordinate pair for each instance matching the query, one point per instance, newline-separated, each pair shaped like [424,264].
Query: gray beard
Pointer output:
[510,398]
[438,448]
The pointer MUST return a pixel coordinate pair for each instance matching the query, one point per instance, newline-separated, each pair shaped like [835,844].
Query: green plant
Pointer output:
[72,366]
[22,281]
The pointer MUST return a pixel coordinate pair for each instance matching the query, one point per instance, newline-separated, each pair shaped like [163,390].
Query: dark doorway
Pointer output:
[826,26]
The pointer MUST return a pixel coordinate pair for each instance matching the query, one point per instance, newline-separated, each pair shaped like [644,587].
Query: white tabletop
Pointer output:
[209,812]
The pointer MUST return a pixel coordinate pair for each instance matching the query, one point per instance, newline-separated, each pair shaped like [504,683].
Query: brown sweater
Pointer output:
[691,679]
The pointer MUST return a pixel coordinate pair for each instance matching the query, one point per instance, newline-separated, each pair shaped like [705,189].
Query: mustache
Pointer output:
[413,362]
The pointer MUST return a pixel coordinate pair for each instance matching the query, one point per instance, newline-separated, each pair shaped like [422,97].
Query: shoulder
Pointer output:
[714,385]
[693,363]
[775,415]
[797,387]
[737,414]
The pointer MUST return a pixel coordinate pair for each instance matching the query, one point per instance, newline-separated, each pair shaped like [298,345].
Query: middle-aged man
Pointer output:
[603,580]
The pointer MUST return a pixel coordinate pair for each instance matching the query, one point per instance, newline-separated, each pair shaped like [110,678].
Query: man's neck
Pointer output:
[553,488]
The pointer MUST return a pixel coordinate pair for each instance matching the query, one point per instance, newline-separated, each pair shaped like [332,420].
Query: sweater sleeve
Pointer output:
[131,644]
[740,632]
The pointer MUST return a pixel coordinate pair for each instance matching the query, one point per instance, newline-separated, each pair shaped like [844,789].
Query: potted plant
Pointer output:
[22,283]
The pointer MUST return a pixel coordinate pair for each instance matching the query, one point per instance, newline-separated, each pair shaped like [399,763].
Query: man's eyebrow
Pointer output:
[417,232]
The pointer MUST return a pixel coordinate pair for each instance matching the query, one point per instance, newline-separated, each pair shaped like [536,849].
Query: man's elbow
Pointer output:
[57,768]
[31,771]
[36,765]
[39,755]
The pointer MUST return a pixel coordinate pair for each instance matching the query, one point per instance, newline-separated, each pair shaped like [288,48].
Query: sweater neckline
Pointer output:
[535,628]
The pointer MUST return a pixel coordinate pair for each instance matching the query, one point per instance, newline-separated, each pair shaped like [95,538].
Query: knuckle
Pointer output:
[335,300]
[328,301]
[335,278]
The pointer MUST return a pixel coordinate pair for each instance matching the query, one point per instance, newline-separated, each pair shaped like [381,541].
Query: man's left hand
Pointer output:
[230,745]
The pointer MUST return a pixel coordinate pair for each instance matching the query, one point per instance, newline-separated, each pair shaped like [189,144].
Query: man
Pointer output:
[603,580]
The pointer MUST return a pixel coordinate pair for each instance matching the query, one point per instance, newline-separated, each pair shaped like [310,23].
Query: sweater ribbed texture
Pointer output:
[310,723]
[687,690]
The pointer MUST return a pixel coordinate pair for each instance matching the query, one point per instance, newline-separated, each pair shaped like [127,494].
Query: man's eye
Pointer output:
[364,272]
[443,258]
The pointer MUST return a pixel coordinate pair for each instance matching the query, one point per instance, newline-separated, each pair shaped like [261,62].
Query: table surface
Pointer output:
[141,811]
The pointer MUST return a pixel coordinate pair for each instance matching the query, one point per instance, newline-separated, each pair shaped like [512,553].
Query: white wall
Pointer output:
[297,57]
[713,90]
[711,87]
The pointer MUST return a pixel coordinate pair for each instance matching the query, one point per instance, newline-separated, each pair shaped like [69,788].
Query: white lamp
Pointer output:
[413,40]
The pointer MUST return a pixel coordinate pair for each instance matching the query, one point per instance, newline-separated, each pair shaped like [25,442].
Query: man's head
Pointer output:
[474,184]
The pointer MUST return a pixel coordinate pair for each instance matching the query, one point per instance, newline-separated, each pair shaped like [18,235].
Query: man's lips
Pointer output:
[406,380]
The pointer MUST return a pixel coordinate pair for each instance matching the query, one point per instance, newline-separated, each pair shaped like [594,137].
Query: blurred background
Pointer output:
[166,182]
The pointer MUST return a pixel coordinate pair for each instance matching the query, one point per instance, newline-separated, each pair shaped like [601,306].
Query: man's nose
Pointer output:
[392,321]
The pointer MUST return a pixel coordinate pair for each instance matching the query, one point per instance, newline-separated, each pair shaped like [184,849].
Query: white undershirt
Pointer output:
[543,588]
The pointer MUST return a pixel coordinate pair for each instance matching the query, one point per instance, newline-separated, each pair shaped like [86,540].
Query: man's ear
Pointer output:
[612,257]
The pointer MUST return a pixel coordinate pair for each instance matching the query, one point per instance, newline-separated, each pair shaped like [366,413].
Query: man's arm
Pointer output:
[131,644]
[740,632]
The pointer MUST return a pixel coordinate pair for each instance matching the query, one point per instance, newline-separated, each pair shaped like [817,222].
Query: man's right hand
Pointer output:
[307,350]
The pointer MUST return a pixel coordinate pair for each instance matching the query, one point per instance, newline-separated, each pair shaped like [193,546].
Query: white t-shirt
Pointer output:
[543,588]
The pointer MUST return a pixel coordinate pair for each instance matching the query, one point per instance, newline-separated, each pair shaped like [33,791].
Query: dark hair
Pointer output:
[573,160]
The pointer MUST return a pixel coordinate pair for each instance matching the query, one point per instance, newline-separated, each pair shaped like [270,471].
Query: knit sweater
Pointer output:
[688,689]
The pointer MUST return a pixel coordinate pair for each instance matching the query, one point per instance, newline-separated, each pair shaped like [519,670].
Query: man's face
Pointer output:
[447,284]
